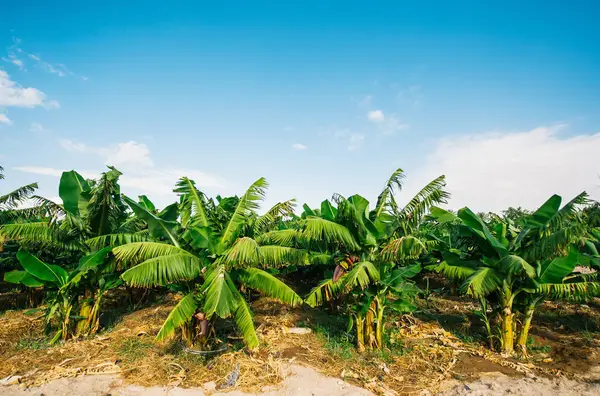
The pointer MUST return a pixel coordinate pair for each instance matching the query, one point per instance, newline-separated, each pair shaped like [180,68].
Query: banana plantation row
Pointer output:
[215,251]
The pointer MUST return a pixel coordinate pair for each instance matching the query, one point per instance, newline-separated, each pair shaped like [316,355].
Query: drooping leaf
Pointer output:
[325,291]
[115,240]
[478,227]
[289,238]
[40,270]
[93,260]
[442,216]
[243,319]
[403,248]
[136,252]
[432,194]
[481,283]
[18,196]
[361,275]
[554,271]
[513,264]
[318,229]
[273,216]
[146,203]
[218,290]
[158,227]
[269,285]
[181,314]
[162,270]
[23,278]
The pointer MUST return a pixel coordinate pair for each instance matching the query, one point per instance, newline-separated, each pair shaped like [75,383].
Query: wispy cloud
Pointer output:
[12,58]
[391,125]
[540,163]
[376,116]
[13,95]
[299,146]
[5,120]
[352,140]
[17,56]
[355,141]
[388,125]
[36,127]
[39,170]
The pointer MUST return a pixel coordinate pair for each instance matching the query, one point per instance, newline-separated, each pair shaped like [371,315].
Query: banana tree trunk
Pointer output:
[524,335]
[379,325]
[360,335]
[66,318]
[507,326]
[85,311]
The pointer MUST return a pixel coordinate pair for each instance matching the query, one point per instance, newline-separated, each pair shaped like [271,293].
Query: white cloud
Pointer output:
[38,128]
[391,125]
[139,172]
[70,145]
[38,170]
[376,116]
[58,69]
[12,58]
[129,154]
[493,171]
[5,120]
[13,95]
[299,146]
[355,141]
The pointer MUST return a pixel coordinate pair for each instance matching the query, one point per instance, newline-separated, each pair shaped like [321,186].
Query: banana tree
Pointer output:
[375,253]
[506,268]
[211,253]
[64,289]
[91,216]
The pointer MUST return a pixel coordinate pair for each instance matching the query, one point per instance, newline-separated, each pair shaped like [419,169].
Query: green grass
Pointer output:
[533,347]
[33,343]
[132,349]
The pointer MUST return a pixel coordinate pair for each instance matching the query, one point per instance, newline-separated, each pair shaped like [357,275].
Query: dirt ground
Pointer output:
[301,381]
[438,350]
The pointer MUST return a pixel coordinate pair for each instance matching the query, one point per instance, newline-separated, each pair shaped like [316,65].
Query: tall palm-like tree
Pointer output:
[211,253]
[510,269]
[92,216]
[375,253]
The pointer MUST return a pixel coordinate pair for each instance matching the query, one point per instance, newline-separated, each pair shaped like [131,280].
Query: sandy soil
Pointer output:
[302,381]
[305,381]
[499,384]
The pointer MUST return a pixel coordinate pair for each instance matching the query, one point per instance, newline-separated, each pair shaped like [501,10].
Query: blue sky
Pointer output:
[318,97]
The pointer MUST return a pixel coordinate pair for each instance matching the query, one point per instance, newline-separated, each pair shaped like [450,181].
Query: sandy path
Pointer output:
[302,381]
[496,384]
[305,381]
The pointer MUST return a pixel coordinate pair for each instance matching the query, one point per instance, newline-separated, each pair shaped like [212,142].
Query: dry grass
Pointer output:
[423,357]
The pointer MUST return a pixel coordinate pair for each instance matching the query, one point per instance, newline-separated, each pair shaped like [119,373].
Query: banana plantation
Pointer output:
[375,271]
